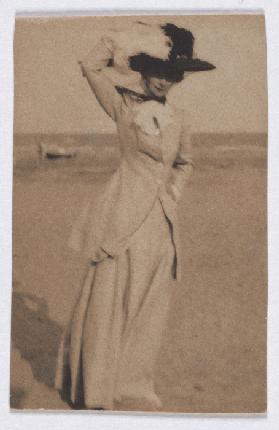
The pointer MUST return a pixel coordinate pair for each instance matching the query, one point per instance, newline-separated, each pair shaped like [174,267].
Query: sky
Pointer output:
[52,97]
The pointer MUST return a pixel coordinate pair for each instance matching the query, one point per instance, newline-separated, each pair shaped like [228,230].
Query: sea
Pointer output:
[210,150]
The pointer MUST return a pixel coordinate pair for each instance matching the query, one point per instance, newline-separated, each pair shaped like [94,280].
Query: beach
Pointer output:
[213,357]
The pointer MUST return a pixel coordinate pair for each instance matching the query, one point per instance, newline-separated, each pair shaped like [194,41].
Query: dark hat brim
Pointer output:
[194,65]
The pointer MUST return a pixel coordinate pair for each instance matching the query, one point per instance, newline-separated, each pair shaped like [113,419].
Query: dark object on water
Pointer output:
[55,156]
[53,151]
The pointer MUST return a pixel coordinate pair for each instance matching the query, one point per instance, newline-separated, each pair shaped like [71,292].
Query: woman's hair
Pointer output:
[182,42]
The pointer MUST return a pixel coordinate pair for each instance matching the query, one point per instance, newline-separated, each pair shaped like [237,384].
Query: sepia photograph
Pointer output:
[140,214]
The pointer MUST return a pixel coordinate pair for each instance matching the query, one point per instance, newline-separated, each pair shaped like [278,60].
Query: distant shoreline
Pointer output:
[111,138]
[102,150]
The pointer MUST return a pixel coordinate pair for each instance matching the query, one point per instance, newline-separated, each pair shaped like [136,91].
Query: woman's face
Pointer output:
[158,87]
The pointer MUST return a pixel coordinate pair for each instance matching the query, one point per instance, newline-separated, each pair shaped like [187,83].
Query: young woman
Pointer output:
[130,234]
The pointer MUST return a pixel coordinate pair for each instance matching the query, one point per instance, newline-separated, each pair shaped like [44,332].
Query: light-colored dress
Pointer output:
[130,238]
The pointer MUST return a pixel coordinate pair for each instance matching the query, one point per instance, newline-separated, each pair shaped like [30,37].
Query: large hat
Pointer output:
[194,65]
[181,52]
[154,50]
[180,58]
[171,69]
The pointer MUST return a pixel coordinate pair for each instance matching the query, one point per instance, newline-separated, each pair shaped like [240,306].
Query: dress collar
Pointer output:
[138,96]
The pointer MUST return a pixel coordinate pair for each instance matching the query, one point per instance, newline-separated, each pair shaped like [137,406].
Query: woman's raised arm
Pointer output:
[93,69]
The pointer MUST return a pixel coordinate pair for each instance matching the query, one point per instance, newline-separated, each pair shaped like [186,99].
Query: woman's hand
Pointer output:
[82,67]
[100,255]
[98,57]
[173,192]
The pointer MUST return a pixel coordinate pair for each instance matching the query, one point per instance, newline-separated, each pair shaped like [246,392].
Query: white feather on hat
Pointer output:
[140,38]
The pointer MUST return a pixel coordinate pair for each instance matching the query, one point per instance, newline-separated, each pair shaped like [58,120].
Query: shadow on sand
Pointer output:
[35,335]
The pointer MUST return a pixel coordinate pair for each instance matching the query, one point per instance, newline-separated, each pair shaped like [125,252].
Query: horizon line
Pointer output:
[115,133]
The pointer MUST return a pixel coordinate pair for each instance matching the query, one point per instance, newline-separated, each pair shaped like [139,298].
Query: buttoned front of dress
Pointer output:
[149,135]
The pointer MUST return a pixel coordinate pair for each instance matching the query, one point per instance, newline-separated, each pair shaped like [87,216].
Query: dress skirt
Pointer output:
[109,350]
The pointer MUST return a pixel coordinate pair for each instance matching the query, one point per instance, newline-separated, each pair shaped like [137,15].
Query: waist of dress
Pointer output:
[143,165]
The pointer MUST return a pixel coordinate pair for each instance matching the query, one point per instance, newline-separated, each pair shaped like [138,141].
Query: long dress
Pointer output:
[109,350]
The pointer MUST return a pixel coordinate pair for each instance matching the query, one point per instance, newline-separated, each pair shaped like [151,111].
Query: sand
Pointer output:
[213,358]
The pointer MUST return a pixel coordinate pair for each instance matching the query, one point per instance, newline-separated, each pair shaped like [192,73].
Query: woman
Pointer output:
[129,235]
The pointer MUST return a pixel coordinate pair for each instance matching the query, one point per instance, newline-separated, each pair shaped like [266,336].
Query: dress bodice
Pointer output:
[150,128]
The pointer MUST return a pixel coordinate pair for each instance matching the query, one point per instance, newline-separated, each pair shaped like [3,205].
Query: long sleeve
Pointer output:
[93,69]
[183,164]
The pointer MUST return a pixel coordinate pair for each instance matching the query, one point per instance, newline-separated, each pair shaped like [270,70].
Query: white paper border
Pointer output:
[84,421]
